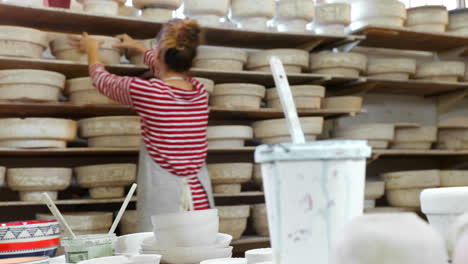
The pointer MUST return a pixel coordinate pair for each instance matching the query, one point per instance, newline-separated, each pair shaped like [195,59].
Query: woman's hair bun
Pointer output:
[178,42]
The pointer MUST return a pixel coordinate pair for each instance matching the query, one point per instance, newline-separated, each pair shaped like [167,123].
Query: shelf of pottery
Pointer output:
[59,135]
[69,133]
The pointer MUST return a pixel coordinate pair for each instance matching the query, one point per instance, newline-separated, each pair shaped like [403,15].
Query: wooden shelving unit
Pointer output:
[75,22]
[70,110]
[385,86]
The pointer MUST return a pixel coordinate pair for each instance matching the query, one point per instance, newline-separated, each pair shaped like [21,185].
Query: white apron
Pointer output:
[161,192]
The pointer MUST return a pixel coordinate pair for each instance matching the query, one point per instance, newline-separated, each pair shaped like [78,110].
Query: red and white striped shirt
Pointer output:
[173,121]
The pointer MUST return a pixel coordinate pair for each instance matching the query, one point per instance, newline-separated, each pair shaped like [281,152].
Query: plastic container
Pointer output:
[307,210]
[88,247]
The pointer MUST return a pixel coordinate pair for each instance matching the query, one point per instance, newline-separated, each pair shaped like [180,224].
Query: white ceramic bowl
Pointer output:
[191,255]
[145,259]
[443,206]
[259,255]
[222,241]
[130,244]
[182,219]
[188,235]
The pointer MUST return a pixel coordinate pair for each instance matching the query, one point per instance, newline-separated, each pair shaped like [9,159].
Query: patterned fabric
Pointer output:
[173,121]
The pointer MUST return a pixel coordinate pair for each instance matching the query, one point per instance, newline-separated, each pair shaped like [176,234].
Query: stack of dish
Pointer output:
[186,238]
[29,239]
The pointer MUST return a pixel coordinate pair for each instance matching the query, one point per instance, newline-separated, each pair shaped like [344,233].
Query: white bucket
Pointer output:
[312,190]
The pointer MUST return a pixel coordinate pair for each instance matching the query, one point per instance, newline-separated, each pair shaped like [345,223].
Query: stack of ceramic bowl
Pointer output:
[82,91]
[220,59]
[22,42]
[332,18]
[28,239]
[293,15]
[378,136]
[458,24]
[189,237]
[130,244]
[128,224]
[228,137]
[31,85]
[252,15]
[391,68]
[397,238]
[62,50]
[404,187]
[374,190]
[294,60]
[260,219]
[228,177]
[342,64]
[157,10]
[414,136]
[353,103]
[206,12]
[305,97]
[208,84]
[107,180]
[111,132]
[138,58]
[453,134]
[442,71]
[101,7]
[36,132]
[276,131]
[260,255]
[32,182]
[443,206]
[238,95]
[387,13]
[233,220]
[428,18]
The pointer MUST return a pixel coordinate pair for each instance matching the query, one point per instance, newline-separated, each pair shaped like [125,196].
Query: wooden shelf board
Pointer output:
[270,113]
[78,151]
[69,68]
[264,78]
[70,110]
[55,19]
[429,153]
[60,109]
[66,202]
[409,87]
[402,38]
[242,194]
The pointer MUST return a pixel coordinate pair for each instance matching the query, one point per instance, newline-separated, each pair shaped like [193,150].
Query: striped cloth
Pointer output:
[173,121]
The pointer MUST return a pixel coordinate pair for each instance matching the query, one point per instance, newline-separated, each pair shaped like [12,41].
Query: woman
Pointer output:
[173,108]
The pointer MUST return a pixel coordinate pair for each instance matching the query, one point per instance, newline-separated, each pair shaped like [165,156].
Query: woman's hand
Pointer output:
[87,44]
[129,43]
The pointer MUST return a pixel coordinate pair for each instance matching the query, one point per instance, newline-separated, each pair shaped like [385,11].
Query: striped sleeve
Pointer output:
[112,86]
[149,61]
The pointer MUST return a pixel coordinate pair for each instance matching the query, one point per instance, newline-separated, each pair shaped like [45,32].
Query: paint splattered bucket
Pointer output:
[88,247]
[312,190]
